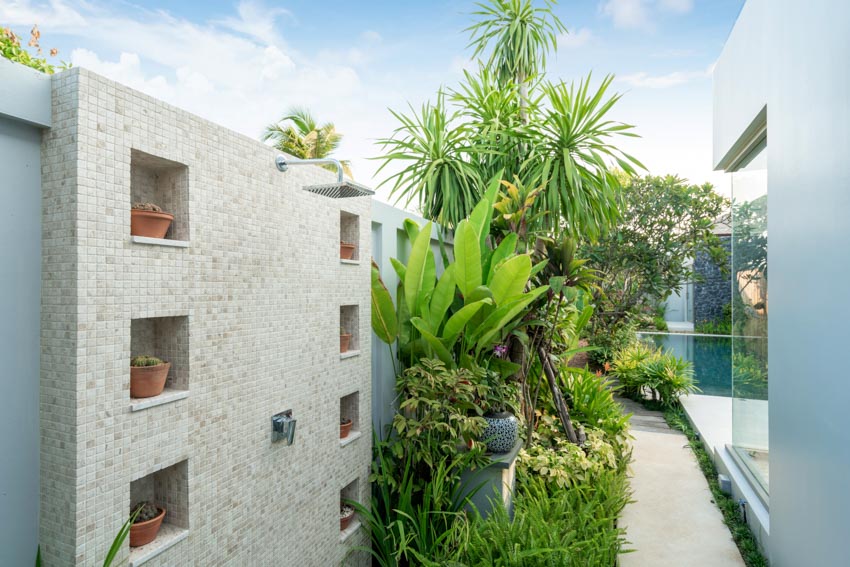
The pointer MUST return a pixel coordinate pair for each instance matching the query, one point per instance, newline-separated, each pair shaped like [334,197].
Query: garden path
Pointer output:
[673,520]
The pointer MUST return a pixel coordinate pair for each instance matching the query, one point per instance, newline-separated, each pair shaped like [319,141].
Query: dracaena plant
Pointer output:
[480,298]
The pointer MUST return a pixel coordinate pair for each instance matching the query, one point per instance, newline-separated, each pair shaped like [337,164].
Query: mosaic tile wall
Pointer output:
[259,289]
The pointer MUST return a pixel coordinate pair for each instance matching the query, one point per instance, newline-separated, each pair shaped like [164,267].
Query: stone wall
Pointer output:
[713,288]
[247,292]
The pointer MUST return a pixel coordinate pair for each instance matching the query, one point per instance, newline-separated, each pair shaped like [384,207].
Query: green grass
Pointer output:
[728,506]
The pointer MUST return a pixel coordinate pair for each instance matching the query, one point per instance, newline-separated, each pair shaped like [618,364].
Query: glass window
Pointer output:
[749,314]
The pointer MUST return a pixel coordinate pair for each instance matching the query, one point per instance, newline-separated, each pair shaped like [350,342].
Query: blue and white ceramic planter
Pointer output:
[501,433]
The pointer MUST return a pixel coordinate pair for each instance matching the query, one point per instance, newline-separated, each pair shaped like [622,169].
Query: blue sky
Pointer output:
[243,63]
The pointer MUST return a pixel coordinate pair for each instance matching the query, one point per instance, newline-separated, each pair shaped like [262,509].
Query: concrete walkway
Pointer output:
[673,520]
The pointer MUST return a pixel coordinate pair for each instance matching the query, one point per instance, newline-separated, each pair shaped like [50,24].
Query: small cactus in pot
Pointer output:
[147,376]
[148,219]
[148,519]
[346,514]
[344,427]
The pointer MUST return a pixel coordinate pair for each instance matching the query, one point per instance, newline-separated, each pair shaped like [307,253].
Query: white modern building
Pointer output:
[782,131]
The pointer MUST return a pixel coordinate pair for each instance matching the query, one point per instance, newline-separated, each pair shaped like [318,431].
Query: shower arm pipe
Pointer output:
[283,163]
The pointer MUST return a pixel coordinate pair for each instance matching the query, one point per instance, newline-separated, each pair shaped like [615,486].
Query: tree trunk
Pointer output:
[557,397]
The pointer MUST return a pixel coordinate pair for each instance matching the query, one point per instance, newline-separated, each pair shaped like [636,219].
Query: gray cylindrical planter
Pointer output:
[501,433]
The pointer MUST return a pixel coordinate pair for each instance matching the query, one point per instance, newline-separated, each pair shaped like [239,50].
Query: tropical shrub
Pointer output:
[606,342]
[566,464]
[575,527]
[646,371]
[476,303]
[411,524]
[437,410]
[592,401]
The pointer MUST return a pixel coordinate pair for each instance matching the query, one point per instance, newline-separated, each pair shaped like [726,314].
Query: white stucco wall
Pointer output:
[24,110]
[389,240]
[805,85]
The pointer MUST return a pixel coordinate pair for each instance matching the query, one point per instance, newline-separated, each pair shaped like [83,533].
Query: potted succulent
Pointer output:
[344,427]
[147,376]
[346,250]
[502,431]
[147,219]
[346,514]
[344,340]
[147,523]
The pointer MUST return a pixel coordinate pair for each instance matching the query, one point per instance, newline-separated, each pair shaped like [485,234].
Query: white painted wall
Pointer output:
[804,51]
[389,240]
[23,110]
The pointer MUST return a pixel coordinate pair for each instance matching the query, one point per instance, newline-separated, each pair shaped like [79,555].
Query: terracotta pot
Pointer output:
[345,429]
[145,532]
[149,223]
[346,521]
[148,381]
[346,250]
[344,340]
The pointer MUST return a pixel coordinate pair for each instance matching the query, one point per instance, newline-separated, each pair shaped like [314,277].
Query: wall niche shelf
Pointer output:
[167,488]
[165,183]
[166,338]
[349,408]
[349,233]
[349,322]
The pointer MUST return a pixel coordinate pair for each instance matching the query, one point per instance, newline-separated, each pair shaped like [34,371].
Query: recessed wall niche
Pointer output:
[166,184]
[166,488]
[349,324]
[349,234]
[349,408]
[166,338]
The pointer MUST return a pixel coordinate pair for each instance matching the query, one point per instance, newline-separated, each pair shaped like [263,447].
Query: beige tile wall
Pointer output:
[260,287]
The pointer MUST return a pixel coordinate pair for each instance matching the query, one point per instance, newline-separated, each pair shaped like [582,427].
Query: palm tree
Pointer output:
[297,133]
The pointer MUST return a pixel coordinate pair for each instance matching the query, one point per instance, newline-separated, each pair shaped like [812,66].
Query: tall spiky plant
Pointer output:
[519,36]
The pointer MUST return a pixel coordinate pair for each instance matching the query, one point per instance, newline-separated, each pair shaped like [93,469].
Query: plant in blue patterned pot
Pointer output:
[498,403]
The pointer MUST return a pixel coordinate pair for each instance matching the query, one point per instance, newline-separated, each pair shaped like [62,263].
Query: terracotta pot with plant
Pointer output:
[147,376]
[344,340]
[346,250]
[148,520]
[147,219]
[346,514]
[344,427]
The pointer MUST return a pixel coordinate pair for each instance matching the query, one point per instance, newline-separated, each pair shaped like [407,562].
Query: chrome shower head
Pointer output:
[340,190]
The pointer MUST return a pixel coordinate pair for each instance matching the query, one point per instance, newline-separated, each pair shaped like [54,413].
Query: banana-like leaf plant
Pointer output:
[480,298]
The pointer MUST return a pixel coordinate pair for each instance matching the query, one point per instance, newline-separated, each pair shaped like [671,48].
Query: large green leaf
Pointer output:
[421,273]
[456,323]
[502,251]
[467,258]
[384,321]
[439,349]
[442,298]
[489,330]
[399,268]
[510,278]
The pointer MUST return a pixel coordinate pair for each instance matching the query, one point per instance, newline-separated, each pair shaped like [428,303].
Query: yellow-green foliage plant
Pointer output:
[480,298]
[644,371]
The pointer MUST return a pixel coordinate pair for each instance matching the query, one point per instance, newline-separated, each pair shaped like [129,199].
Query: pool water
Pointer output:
[711,356]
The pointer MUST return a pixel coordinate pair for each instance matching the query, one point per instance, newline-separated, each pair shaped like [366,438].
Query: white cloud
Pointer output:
[461,63]
[678,6]
[638,14]
[238,71]
[575,38]
[628,14]
[643,79]
[371,36]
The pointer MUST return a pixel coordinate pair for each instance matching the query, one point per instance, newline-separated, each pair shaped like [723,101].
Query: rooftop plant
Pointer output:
[11,49]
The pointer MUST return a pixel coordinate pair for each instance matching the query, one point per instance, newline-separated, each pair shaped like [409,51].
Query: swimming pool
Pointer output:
[711,356]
